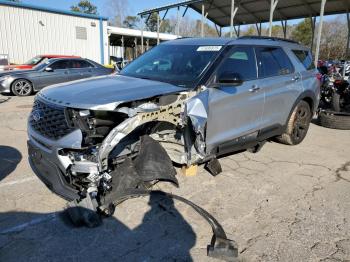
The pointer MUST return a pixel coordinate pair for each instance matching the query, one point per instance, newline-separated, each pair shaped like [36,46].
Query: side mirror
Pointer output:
[229,78]
[48,69]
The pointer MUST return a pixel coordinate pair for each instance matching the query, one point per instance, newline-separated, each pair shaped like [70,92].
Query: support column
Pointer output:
[109,48]
[284,27]
[236,31]
[272,10]
[231,22]
[313,25]
[135,48]
[258,28]
[347,54]
[123,48]
[178,21]
[142,36]
[239,31]
[202,21]
[158,28]
[319,32]
[233,14]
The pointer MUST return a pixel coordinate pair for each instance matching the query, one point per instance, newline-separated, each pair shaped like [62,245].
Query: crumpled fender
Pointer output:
[197,111]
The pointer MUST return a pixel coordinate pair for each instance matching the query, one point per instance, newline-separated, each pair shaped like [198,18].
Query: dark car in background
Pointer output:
[53,71]
[35,61]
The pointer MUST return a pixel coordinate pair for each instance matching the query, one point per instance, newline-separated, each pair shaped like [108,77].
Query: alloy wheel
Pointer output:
[22,88]
[301,123]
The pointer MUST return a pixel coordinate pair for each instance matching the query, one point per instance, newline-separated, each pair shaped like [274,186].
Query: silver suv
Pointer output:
[186,101]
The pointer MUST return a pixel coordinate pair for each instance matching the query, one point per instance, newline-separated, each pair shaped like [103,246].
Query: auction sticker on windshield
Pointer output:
[213,48]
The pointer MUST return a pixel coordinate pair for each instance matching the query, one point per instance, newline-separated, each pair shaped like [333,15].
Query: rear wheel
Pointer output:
[298,125]
[22,87]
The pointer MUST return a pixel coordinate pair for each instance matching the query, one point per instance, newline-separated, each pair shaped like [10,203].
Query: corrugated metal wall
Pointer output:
[25,33]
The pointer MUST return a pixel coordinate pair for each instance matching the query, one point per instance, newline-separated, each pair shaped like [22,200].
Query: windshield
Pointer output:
[42,65]
[34,60]
[176,64]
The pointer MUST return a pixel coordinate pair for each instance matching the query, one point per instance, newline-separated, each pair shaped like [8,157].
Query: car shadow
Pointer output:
[162,235]
[9,159]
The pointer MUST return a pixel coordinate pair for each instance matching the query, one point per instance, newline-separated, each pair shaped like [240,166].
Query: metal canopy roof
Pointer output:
[258,11]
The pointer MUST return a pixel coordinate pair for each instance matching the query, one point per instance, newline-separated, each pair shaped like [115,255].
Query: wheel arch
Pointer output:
[307,96]
[22,78]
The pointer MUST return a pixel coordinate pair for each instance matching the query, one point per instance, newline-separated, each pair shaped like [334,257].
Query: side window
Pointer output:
[305,58]
[273,61]
[241,62]
[62,64]
[80,64]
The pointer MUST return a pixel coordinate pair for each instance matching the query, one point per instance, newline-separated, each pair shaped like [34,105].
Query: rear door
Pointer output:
[235,111]
[280,82]
[81,69]
[308,72]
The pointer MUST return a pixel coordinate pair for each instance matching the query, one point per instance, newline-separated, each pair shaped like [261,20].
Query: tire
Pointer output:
[336,102]
[298,125]
[22,87]
[335,120]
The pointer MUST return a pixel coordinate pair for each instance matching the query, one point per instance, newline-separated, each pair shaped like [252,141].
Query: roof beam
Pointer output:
[313,11]
[267,10]
[162,8]
[242,6]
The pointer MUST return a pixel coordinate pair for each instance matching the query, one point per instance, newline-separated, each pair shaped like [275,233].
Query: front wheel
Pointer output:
[22,87]
[298,125]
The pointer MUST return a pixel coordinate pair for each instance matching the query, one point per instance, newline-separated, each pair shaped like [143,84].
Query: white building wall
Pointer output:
[25,33]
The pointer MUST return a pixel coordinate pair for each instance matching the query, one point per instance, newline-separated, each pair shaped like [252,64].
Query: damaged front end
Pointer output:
[104,155]
[88,146]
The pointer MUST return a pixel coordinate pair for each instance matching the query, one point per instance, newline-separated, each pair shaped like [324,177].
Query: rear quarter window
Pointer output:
[305,58]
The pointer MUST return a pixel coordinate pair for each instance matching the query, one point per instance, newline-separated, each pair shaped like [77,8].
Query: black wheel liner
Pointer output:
[220,247]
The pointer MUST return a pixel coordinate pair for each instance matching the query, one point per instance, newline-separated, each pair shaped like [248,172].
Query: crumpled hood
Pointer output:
[105,92]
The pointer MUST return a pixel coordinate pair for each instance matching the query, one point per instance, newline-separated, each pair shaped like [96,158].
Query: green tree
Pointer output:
[131,22]
[85,7]
[165,26]
[250,31]
[303,32]
[209,31]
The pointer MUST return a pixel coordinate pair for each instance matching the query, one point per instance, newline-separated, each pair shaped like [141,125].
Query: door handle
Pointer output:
[254,88]
[295,78]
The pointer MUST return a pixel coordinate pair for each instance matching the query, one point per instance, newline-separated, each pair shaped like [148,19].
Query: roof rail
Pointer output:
[268,38]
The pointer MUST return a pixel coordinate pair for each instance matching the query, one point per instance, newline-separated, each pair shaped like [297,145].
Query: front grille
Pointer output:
[49,120]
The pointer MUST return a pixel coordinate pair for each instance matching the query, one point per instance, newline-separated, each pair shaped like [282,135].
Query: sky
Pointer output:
[135,6]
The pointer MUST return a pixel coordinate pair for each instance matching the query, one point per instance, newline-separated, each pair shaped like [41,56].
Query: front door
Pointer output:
[59,74]
[235,111]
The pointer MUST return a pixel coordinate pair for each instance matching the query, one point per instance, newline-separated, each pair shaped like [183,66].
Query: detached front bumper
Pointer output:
[47,167]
